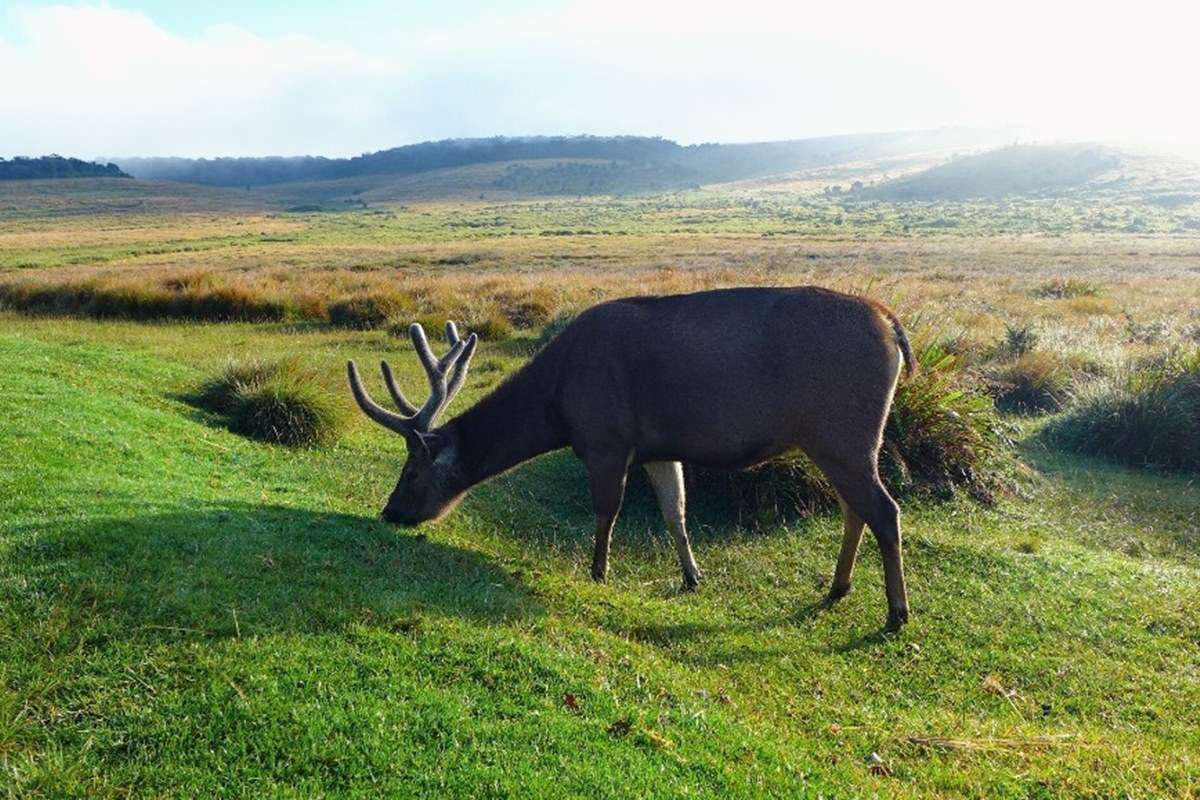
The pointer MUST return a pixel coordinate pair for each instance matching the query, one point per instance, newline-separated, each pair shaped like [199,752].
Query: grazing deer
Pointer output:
[726,378]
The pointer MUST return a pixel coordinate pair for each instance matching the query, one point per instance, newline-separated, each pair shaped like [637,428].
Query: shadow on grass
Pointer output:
[1154,510]
[546,503]
[238,570]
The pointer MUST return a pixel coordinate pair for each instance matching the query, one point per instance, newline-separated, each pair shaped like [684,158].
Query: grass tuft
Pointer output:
[1035,383]
[367,311]
[273,401]
[1148,417]
[1067,288]
[492,327]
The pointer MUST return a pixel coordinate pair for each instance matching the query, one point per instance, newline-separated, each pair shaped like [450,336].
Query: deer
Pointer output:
[725,378]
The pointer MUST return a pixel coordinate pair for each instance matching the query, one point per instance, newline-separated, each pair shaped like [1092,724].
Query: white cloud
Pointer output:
[97,80]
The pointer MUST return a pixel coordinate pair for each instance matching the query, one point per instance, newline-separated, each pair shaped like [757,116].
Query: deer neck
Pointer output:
[513,424]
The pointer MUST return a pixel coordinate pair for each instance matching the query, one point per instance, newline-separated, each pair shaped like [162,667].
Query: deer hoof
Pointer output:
[599,575]
[896,619]
[837,593]
[691,582]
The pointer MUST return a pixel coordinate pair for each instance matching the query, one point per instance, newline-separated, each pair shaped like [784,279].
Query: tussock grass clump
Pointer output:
[942,435]
[273,401]
[366,311]
[1148,417]
[197,302]
[1067,288]
[492,327]
[1035,383]
[220,393]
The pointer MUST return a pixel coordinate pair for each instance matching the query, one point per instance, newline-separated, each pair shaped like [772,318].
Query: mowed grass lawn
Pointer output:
[187,613]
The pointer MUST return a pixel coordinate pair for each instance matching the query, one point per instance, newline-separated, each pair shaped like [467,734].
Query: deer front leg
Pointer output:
[606,478]
[667,479]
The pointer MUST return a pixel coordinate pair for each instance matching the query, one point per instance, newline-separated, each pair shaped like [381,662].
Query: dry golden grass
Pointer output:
[434,260]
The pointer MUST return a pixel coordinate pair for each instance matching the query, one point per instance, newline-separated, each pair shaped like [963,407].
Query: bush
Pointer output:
[941,436]
[1149,417]
[1035,383]
[273,401]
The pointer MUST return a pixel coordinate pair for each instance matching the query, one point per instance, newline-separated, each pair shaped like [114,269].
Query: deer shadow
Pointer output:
[555,510]
[240,569]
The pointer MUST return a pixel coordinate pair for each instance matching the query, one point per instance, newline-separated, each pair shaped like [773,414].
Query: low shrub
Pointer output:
[942,435]
[273,401]
[1147,417]
[1035,383]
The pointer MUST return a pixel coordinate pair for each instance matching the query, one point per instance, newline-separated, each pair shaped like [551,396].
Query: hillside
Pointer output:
[1015,170]
[636,161]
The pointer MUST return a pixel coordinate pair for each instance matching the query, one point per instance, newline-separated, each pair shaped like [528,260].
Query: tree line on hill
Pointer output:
[652,159]
[23,168]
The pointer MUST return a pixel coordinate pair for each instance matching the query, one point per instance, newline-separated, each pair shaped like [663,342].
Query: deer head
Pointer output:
[429,485]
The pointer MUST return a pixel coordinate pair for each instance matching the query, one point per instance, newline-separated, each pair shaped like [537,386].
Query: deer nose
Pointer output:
[396,517]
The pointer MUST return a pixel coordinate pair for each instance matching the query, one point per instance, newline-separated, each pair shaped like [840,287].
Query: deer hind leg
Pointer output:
[606,479]
[861,490]
[667,479]
[852,532]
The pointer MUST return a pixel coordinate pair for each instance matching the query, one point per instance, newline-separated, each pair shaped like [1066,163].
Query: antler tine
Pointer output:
[388,419]
[464,363]
[436,369]
[398,396]
[453,365]
[421,344]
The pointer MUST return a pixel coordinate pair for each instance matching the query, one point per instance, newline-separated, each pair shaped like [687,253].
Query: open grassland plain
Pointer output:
[187,612]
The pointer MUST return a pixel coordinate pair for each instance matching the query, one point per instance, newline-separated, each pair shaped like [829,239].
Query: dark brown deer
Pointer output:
[726,378]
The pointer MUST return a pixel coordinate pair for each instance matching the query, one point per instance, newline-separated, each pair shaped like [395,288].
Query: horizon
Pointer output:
[146,78]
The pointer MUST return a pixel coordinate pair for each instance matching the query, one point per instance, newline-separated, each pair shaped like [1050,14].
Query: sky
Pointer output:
[155,77]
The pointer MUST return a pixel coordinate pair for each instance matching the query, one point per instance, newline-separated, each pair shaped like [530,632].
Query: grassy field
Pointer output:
[185,612]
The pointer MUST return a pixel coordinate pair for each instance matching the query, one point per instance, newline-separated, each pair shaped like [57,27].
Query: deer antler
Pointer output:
[453,365]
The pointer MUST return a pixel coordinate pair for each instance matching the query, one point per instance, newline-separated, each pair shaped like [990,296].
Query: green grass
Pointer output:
[187,613]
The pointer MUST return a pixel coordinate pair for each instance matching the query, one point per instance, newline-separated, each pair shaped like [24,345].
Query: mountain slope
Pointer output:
[671,164]
[1015,170]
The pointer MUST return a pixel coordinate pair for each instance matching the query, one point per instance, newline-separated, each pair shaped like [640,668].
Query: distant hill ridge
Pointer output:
[672,164]
[22,168]
[1049,169]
